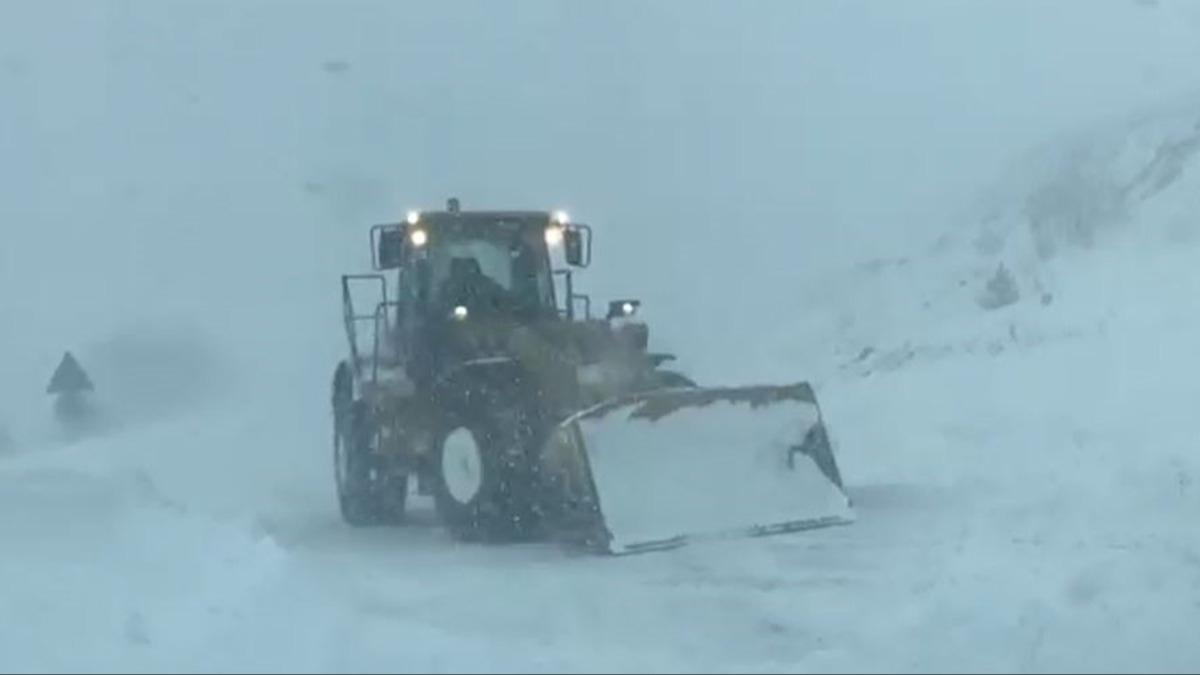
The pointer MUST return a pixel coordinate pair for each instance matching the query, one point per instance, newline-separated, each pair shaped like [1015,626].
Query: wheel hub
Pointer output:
[462,466]
[341,460]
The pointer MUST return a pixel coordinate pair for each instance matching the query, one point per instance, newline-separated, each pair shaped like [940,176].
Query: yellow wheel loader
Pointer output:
[478,376]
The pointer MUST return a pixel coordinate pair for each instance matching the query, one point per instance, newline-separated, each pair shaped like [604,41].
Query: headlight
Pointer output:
[554,236]
[418,238]
[622,309]
[460,313]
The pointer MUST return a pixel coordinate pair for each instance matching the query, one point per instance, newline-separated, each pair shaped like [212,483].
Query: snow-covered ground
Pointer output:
[1024,479]
[1023,465]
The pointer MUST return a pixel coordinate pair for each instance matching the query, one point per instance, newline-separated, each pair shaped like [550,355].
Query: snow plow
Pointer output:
[483,381]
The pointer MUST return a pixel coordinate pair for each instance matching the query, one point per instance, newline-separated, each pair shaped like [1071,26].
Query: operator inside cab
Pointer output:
[492,277]
[466,285]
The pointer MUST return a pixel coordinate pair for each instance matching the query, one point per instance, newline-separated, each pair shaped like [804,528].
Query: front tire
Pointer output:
[368,495]
[485,468]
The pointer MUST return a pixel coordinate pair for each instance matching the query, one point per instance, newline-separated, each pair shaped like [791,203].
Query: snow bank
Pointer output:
[102,572]
[1061,432]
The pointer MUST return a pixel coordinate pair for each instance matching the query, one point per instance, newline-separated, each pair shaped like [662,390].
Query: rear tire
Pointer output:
[368,495]
[484,465]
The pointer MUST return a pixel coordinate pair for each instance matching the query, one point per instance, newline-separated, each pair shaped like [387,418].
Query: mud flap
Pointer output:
[663,468]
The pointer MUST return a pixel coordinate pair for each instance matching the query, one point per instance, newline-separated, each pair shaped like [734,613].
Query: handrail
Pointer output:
[350,319]
[381,311]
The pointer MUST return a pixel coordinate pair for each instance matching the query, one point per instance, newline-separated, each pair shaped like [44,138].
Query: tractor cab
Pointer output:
[455,264]
[440,274]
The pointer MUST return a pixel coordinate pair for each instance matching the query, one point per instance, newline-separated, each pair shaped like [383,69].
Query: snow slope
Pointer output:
[1024,477]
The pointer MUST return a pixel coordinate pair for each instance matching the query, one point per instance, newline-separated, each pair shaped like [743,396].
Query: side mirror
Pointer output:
[389,246]
[577,245]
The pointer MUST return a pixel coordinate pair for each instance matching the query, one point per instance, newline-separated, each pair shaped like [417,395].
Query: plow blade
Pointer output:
[663,468]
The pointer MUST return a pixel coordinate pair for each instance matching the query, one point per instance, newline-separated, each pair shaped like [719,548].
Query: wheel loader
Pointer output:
[479,376]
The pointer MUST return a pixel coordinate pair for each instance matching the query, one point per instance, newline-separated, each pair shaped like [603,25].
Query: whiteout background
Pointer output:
[788,186]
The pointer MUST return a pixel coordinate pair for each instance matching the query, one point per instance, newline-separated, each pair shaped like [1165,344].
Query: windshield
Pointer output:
[493,264]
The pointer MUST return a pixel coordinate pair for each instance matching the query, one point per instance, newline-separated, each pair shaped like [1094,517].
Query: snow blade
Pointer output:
[672,466]
[69,378]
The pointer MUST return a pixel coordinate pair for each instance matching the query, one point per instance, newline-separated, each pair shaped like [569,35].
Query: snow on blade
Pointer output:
[722,468]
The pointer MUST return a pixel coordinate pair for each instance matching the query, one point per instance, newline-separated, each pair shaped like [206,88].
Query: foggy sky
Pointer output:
[219,163]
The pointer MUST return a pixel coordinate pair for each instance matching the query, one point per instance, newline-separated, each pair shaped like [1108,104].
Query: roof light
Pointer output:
[561,217]
[460,313]
[413,217]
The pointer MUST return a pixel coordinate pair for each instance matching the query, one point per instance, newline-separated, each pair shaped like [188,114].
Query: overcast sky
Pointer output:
[221,160]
